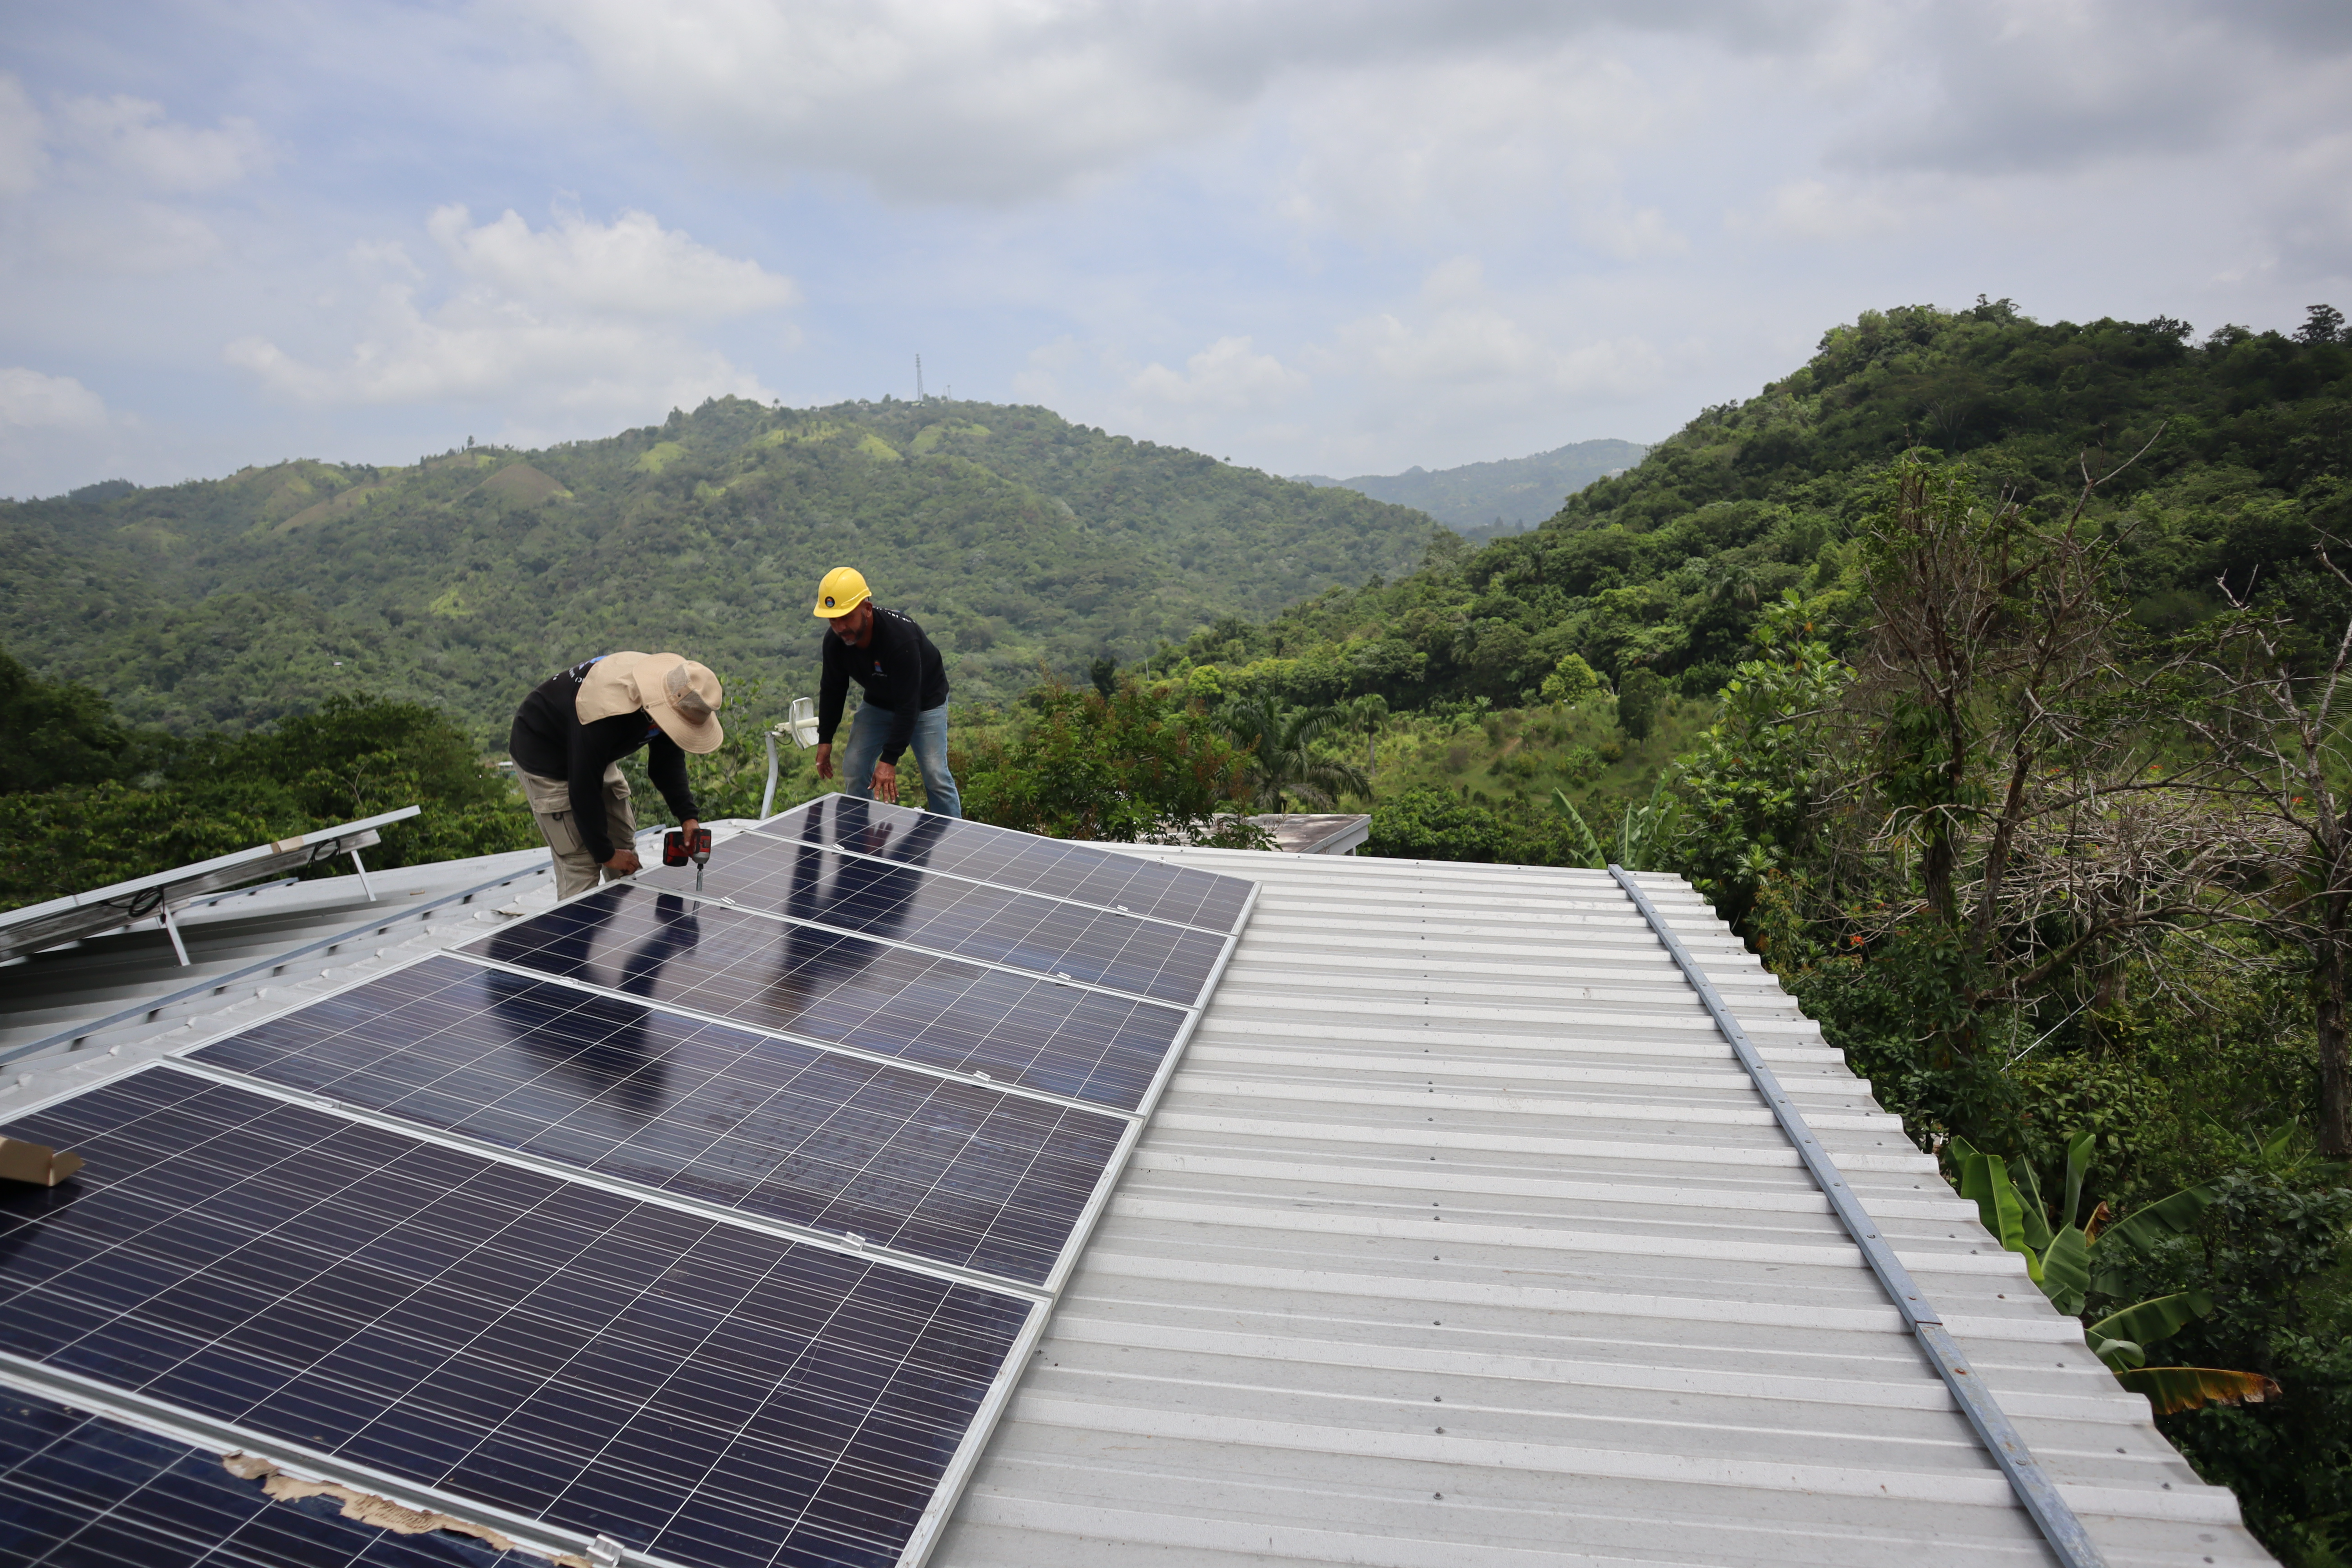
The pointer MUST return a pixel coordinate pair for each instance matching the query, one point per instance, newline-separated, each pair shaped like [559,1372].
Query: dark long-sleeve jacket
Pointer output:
[900,671]
[549,740]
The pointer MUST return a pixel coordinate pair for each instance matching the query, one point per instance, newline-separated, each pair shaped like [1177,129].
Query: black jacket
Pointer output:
[899,669]
[549,740]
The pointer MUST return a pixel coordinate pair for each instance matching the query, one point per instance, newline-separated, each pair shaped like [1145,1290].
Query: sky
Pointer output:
[1306,237]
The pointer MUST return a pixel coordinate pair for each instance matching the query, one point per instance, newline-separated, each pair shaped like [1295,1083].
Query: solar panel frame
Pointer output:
[1051,859]
[981,922]
[198,1057]
[146,1406]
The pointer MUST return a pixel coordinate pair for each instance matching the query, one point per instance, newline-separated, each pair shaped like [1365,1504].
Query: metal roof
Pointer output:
[1458,1238]
[1462,1239]
[1316,832]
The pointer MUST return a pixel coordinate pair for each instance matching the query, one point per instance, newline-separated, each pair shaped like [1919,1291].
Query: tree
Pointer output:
[1571,681]
[1278,744]
[1640,694]
[2019,772]
[2274,727]
[1133,767]
[2322,324]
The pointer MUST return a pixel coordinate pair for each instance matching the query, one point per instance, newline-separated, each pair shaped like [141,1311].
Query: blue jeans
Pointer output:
[871,727]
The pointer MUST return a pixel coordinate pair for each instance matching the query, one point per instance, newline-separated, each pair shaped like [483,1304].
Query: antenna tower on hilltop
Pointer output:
[918,379]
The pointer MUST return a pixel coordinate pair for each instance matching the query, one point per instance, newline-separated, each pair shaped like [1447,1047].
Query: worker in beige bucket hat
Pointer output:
[569,738]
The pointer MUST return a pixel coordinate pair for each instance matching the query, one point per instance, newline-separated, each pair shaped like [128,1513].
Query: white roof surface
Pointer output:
[1461,1240]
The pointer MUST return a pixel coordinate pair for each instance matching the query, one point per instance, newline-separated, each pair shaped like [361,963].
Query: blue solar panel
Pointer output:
[1022,861]
[79,1489]
[700,1390]
[838,989]
[898,900]
[954,1172]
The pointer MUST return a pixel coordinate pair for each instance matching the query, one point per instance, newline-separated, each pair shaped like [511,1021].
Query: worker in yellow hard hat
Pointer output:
[906,687]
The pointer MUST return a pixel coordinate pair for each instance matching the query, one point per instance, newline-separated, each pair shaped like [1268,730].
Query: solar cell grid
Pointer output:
[1020,860]
[841,989]
[83,1490]
[898,900]
[957,1172]
[720,1396]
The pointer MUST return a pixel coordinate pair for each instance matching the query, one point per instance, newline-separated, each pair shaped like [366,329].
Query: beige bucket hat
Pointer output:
[677,693]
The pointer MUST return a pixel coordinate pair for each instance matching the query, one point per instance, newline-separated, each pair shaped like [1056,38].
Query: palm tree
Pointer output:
[1278,739]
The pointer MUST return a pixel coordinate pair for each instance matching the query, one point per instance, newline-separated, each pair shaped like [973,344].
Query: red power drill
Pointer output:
[677,851]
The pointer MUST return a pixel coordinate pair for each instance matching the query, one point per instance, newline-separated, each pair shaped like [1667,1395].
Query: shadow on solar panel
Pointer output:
[895,899]
[1083,872]
[837,988]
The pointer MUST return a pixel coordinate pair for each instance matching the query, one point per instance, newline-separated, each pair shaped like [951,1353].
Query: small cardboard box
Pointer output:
[36,1163]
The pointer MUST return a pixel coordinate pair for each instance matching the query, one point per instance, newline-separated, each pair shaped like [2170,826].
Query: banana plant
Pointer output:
[2064,1262]
[1642,832]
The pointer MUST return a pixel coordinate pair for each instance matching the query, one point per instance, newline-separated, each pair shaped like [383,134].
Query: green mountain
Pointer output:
[1485,501]
[2248,465]
[1014,536]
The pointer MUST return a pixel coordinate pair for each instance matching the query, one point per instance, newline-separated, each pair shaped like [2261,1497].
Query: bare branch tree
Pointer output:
[2275,736]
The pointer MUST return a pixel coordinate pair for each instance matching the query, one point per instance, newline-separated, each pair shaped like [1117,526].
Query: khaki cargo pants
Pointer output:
[550,802]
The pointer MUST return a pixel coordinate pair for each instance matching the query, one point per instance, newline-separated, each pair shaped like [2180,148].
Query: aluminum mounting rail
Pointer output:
[2050,1511]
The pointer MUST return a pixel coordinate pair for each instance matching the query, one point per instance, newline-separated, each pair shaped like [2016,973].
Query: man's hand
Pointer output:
[825,759]
[689,828]
[886,782]
[625,863]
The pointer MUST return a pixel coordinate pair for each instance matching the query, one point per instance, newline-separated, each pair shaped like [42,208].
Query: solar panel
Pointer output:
[953,1171]
[837,989]
[119,904]
[702,1392]
[1083,872]
[895,899]
[77,1489]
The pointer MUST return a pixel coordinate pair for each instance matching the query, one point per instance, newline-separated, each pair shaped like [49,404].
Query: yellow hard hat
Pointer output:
[842,590]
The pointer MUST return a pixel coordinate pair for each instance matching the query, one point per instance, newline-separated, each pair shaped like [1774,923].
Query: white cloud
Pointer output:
[565,319]
[631,265]
[1229,375]
[132,137]
[32,401]
[21,157]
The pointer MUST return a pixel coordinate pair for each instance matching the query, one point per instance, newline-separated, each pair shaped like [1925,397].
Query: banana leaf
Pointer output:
[2173,1388]
[2121,1355]
[2066,1273]
[1984,1180]
[2078,1166]
[2175,1214]
[2154,1320]
[1586,844]
[2031,1216]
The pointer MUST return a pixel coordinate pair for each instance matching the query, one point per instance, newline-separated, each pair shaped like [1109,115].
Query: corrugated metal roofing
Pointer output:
[1461,1238]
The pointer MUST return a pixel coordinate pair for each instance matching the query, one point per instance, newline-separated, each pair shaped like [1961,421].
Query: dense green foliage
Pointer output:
[1667,567]
[1011,535]
[1123,766]
[133,802]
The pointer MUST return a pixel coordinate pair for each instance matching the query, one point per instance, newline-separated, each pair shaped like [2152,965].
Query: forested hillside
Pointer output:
[1664,568]
[1482,500]
[1013,535]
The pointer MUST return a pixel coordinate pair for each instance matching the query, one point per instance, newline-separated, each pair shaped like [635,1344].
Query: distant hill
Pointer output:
[1014,536]
[1486,501]
[1667,567]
